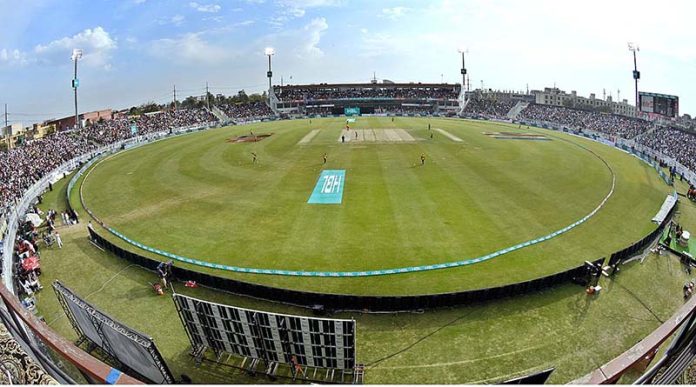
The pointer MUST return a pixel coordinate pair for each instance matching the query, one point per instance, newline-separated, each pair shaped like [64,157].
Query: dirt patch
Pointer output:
[249,138]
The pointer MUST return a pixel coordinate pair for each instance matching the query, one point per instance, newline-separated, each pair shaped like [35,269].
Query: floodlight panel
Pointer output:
[325,343]
[76,54]
[269,51]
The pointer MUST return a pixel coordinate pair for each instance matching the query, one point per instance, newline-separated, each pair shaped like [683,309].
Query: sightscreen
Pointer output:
[666,105]
[351,111]
[129,347]
[315,342]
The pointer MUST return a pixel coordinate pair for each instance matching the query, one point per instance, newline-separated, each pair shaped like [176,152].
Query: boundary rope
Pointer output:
[366,273]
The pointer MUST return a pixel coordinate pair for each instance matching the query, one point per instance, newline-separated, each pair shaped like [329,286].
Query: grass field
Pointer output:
[486,343]
[560,328]
[201,196]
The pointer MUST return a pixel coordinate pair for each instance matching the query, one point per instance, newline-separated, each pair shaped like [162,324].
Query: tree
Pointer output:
[190,102]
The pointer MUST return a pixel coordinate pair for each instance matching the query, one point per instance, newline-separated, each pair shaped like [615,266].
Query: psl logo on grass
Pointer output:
[329,187]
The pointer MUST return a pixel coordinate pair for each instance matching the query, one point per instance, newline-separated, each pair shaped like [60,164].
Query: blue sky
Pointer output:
[136,50]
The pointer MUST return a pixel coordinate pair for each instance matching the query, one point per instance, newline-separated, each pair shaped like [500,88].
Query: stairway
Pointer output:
[647,132]
[517,109]
[219,114]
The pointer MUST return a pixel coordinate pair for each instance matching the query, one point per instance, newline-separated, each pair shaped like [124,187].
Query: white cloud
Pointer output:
[209,8]
[176,20]
[97,46]
[296,12]
[394,12]
[293,9]
[244,23]
[314,30]
[13,57]
[190,48]
[303,4]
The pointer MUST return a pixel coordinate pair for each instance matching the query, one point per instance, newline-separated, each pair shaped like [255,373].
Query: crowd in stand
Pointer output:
[247,111]
[23,166]
[398,109]
[300,94]
[107,132]
[489,107]
[677,144]
[610,124]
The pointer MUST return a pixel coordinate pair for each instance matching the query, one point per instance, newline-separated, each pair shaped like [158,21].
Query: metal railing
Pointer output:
[26,327]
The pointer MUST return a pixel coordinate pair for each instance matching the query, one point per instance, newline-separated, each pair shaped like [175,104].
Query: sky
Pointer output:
[135,51]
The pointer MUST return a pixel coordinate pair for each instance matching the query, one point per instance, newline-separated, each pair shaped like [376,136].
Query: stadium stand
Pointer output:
[609,124]
[371,98]
[23,166]
[492,108]
[675,143]
[119,129]
[247,111]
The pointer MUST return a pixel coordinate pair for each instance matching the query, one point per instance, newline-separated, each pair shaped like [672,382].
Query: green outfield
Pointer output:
[202,196]
[561,327]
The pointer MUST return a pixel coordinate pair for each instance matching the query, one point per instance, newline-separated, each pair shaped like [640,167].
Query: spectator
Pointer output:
[609,124]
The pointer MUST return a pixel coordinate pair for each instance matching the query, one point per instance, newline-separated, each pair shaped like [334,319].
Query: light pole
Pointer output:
[76,55]
[633,47]
[269,52]
[463,70]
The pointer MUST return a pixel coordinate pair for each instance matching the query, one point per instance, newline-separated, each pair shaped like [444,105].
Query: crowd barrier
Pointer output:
[621,256]
[344,301]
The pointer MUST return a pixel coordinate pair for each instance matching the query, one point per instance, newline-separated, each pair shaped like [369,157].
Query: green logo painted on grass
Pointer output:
[329,187]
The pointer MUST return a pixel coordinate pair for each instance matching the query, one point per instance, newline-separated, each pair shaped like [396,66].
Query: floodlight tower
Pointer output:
[76,55]
[269,52]
[633,47]
[463,70]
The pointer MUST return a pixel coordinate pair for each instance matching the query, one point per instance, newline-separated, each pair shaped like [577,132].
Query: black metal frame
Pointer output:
[98,320]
